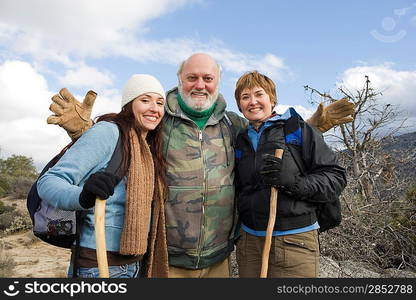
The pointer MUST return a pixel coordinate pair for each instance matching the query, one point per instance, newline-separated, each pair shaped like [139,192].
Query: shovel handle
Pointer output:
[270,225]
[99,218]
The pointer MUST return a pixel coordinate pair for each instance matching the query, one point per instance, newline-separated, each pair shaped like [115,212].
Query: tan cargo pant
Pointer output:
[218,270]
[294,255]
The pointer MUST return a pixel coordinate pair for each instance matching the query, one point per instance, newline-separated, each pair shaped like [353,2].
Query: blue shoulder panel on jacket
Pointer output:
[294,138]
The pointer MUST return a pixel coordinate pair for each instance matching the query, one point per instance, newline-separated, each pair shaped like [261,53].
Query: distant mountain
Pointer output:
[404,149]
[402,142]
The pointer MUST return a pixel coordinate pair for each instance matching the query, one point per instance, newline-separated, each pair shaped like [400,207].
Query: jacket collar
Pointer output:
[274,117]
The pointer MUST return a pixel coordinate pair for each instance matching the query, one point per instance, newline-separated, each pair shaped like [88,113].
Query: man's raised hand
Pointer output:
[70,114]
[336,113]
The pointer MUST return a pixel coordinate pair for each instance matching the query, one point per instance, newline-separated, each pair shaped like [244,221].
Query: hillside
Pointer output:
[404,148]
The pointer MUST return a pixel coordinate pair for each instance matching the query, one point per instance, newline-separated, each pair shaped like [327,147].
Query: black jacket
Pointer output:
[296,204]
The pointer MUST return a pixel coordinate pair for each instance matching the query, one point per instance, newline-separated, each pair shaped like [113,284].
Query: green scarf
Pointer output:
[199,117]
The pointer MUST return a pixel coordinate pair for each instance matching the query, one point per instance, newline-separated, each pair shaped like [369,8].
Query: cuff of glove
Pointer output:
[86,201]
[85,126]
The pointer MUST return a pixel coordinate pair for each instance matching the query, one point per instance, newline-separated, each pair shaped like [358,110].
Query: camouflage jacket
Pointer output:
[200,208]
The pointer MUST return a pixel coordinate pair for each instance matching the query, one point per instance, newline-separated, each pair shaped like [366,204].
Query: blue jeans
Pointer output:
[123,271]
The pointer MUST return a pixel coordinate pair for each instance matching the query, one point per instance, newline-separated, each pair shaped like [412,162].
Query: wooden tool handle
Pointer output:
[99,219]
[270,225]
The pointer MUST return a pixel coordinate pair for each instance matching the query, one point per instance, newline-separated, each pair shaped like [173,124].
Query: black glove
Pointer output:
[271,173]
[100,184]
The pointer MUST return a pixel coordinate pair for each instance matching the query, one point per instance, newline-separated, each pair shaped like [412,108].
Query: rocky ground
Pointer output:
[347,269]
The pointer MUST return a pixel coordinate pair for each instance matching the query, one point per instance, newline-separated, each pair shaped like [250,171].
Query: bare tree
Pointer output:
[373,124]
[378,224]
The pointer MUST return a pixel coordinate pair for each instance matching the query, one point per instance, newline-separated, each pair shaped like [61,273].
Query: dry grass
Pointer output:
[30,239]
[6,263]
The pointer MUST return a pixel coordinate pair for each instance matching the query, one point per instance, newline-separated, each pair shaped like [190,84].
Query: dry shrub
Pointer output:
[6,219]
[20,187]
[2,191]
[381,232]
[6,263]
[31,239]
[13,221]
[5,208]
[20,223]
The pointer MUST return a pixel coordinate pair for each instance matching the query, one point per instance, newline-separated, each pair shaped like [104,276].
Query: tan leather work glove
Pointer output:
[70,114]
[336,113]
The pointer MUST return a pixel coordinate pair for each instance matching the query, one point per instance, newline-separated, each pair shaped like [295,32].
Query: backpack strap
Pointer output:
[114,165]
[76,249]
[293,140]
[231,128]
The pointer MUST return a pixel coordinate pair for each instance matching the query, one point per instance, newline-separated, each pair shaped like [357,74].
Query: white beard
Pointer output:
[197,104]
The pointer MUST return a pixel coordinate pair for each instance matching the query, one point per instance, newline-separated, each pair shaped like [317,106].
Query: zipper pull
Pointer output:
[200,135]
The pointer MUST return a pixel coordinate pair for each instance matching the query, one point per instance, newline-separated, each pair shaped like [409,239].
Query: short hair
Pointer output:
[253,79]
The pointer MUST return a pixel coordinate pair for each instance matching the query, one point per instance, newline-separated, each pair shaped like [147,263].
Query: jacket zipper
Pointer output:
[201,239]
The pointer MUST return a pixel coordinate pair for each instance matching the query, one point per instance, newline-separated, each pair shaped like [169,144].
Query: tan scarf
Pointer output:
[143,188]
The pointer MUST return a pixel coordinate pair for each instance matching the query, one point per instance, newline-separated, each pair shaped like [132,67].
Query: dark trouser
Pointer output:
[294,255]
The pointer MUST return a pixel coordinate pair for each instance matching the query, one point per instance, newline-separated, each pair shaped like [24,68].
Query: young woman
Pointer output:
[134,221]
[295,246]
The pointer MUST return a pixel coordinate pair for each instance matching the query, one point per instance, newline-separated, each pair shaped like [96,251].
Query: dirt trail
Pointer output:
[33,257]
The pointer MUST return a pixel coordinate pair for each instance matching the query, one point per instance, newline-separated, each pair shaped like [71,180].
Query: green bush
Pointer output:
[18,166]
[4,184]
[17,173]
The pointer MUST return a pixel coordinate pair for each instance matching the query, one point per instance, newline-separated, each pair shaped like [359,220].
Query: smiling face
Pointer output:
[255,104]
[148,109]
[198,81]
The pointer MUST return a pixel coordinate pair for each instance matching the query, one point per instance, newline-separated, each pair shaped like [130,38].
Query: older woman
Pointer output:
[135,205]
[295,245]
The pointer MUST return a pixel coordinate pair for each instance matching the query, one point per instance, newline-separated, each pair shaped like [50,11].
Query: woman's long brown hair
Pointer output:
[125,120]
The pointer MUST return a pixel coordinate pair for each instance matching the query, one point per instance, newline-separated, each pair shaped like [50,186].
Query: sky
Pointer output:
[46,45]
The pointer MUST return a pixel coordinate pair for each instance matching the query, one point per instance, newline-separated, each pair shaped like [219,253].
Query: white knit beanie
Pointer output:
[139,84]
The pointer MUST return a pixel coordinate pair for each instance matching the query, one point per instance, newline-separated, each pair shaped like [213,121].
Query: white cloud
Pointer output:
[24,99]
[71,31]
[32,137]
[23,92]
[54,30]
[86,76]
[108,101]
[238,62]
[397,87]
[24,102]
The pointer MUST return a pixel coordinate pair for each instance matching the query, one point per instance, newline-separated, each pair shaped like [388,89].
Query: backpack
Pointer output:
[328,213]
[55,226]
